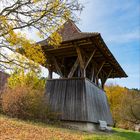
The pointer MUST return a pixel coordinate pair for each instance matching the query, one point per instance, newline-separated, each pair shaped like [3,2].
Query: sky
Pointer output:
[118,21]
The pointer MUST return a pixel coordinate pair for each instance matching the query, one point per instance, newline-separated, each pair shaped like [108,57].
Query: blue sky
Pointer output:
[118,21]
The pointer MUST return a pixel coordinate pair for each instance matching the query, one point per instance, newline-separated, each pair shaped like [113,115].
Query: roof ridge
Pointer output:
[90,33]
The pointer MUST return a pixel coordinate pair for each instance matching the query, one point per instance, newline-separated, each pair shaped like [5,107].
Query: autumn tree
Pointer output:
[44,16]
[115,95]
[124,104]
[131,106]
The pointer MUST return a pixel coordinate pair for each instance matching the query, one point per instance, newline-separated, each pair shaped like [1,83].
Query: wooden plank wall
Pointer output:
[97,104]
[77,99]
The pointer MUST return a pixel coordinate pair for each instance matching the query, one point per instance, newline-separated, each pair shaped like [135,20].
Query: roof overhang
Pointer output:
[87,42]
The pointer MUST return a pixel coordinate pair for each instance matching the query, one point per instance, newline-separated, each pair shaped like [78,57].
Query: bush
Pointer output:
[24,98]
[25,103]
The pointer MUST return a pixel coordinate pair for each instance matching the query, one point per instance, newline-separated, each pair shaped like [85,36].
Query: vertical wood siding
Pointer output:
[97,104]
[78,100]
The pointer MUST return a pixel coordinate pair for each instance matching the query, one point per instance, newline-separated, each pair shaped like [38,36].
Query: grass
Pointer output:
[14,129]
[120,134]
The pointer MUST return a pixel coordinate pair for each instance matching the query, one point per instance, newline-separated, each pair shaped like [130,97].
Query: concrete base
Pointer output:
[82,126]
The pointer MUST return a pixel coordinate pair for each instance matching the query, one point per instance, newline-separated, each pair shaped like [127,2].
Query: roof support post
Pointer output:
[81,61]
[50,70]
[74,67]
[93,73]
[50,73]
[57,66]
[97,81]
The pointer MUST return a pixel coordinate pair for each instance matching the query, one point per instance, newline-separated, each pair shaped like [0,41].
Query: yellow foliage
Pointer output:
[55,39]
[115,95]
[18,40]
[124,104]
[53,14]
[35,1]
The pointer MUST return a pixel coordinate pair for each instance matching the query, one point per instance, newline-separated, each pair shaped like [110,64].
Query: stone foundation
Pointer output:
[82,126]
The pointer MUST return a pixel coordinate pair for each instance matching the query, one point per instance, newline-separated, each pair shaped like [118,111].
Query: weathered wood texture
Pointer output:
[77,99]
[97,104]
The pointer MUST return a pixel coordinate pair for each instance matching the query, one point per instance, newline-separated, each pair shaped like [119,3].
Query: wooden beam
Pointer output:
[108,75]
[88,61]
[103,81]
[100,68]
[94,62]
[80,57]
[92,74]
[50,74]
[81,61]
[73,69]
[97,81]
[104,52]
[57,67]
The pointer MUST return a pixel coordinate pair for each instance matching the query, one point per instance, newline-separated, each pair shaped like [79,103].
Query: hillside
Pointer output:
[15,129]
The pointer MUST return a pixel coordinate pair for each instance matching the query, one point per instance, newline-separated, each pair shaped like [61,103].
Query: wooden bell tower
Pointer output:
[84,63]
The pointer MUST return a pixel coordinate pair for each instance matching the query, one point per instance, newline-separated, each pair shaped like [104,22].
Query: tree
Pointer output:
[115,95]
[45,16]
[124,104]
[131,105]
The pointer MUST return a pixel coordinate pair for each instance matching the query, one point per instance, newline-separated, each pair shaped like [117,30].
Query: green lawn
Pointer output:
[15,129]
[119,134]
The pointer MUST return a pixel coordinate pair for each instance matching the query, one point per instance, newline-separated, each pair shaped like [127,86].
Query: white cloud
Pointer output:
[125,37]
[116,20]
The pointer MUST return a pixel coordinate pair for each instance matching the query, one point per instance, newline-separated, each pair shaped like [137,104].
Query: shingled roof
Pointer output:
[70,32]
[72,35]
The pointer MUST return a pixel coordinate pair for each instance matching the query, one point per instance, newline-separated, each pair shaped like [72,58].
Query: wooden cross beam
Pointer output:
[100,69]
[95,64]
[57,66]
[88,61]
[109,74]
[103,81]
[73,69]
[81,61]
